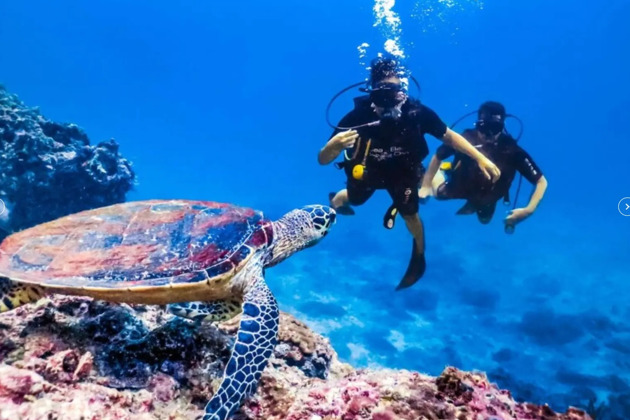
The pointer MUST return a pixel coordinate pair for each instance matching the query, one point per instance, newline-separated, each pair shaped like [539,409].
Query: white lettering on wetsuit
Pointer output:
[381,154]
[532,170]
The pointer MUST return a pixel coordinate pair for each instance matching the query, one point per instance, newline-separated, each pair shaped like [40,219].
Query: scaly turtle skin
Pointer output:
[206,259]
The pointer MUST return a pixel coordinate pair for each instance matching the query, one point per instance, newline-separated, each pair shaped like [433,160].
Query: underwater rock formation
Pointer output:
[49,169]
[72,358]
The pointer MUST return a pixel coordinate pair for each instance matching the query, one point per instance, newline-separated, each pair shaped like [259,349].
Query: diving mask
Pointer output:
[388,98]
[490,125]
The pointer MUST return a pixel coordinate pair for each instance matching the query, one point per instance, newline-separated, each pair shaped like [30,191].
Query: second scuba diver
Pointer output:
[468,183]
[384,144]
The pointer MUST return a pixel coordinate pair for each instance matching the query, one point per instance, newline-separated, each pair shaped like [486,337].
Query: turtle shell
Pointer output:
[145,244]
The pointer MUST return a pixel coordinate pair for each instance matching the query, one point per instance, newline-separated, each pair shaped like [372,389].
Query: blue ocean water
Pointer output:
[225,101]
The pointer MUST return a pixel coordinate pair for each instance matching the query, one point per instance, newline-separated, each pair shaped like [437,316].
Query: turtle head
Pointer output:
[299,229]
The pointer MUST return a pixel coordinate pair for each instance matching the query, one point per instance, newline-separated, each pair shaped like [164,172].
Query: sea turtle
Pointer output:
[206,259]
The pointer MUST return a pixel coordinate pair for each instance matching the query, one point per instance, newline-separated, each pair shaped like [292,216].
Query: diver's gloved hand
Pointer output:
[344,140]
[517,215]
[489,169]
[424,193]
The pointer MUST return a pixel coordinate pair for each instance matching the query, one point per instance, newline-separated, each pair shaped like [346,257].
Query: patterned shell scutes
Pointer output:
[142,243]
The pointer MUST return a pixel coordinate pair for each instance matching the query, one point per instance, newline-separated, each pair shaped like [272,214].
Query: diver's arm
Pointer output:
[426,189]
[458,142]
[328,153]
[518,215]
[336,145]
[537,196]
[434,166]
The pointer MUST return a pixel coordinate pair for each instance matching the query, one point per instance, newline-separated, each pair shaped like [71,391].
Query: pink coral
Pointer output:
[52,365]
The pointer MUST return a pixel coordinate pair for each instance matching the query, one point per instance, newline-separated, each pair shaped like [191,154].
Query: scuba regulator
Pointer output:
[491,126]
[388,98]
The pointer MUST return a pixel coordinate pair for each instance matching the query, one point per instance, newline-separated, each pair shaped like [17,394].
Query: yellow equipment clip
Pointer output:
[446,166]
[359,171]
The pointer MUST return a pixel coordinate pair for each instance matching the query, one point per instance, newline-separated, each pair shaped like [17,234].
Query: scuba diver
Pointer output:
[466,182]
[384,145]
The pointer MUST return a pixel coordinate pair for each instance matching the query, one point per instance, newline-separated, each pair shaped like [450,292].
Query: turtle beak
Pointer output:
[333,218]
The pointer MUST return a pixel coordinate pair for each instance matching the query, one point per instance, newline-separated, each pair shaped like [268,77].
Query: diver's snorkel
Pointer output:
[388,94]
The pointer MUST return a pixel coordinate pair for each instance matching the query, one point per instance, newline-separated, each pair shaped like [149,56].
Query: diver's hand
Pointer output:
[345,139]
[335,145]
[489,169]
[517,215]
[424,193]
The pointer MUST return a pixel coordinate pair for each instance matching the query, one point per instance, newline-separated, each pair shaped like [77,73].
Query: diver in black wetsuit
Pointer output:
[385,148]
[466,182]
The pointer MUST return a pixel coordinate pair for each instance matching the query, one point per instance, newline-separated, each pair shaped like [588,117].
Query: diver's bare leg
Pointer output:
[415,227]
[340,199]
[341,202]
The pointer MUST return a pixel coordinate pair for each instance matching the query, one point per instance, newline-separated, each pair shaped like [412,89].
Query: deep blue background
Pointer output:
[226,102]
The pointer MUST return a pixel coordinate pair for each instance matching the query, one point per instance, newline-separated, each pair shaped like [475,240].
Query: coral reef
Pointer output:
[49,170]
[75,358]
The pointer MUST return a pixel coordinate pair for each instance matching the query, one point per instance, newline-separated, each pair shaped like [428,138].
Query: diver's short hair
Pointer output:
[491,108]
[384,67]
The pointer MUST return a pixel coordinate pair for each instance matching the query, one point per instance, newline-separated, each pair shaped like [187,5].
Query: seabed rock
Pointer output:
[71,358]
[49,169]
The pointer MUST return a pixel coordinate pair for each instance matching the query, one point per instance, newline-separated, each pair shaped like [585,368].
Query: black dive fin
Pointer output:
[345,210]
[390,217]
[468,208]
[415,270]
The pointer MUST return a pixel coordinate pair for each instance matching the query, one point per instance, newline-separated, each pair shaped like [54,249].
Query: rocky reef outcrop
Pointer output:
[70,358]
[50,169]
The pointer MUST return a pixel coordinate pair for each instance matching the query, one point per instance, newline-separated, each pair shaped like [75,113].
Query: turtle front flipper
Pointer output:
[254,344]
[13,294]
[210,311]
